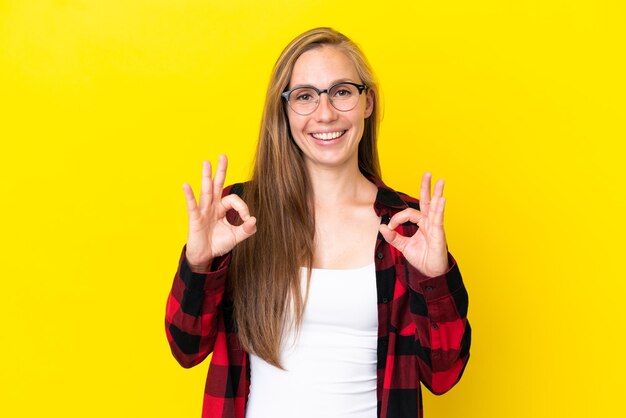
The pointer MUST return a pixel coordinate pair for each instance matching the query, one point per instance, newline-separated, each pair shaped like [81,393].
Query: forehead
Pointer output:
[323,66]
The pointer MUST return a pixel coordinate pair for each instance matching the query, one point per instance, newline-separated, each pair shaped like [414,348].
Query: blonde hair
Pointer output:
[265,270]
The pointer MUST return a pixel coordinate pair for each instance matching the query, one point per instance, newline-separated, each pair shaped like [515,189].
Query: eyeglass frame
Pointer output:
[359,87]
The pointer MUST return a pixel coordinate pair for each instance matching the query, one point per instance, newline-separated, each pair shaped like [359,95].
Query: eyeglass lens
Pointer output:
[343,97]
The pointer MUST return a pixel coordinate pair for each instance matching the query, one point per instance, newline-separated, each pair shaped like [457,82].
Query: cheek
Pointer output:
[289,121]
[359,121]
[295,124]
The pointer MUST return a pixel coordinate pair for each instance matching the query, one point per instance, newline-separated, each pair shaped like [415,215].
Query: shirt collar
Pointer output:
[387,199]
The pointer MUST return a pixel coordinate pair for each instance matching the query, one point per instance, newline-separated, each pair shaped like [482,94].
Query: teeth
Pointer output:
[327,136]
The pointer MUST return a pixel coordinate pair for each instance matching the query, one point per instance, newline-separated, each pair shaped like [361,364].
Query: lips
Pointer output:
[327,136]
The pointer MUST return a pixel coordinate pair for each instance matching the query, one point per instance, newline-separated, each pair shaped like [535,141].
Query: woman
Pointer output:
[338,297]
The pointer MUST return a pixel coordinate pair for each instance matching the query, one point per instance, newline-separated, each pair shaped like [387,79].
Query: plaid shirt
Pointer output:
[423,332]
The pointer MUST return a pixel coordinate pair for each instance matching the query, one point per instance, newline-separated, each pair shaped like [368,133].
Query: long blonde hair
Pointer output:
[265,270]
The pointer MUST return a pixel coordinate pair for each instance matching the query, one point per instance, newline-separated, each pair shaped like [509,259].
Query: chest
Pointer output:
[345,239]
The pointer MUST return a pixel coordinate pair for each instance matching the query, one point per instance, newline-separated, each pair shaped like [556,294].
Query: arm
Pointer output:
[438,299]
[193,306]
[192,310]
[442,331]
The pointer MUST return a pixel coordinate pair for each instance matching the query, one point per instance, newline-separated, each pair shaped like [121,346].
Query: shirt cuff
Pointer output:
[209,281]
[439,286]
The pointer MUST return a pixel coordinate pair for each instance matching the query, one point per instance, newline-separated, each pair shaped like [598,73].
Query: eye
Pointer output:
[303,95]
[343,91]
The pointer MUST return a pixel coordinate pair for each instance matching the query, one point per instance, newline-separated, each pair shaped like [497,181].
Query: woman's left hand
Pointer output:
[426,250]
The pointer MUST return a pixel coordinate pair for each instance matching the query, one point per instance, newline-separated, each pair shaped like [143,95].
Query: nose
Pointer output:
[325,110]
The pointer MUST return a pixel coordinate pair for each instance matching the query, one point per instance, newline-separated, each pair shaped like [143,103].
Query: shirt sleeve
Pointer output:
[443,332]
[193,305]
[192,310]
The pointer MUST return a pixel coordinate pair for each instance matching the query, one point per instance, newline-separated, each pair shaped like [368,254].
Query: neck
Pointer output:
[337,185]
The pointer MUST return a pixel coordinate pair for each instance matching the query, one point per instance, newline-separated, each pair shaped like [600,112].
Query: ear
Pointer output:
[369,103]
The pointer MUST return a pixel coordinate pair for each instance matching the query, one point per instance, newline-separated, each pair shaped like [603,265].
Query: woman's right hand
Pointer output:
[210,234]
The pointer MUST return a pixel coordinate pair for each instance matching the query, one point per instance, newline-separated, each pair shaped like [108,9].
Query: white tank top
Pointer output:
[330,367]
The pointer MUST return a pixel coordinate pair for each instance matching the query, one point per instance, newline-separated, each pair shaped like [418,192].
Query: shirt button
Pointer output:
[380,255]
[385,300]
[435,326]
[429,288]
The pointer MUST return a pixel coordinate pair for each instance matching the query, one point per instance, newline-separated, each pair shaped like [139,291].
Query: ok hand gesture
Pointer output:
[426,250]
[210,234]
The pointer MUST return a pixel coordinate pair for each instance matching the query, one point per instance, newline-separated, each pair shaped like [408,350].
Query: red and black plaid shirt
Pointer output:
[423,332]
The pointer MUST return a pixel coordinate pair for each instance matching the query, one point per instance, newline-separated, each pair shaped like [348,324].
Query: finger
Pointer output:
[425,193]
[439,210]
[207,186]
[392,237]
[232,201]
[220,177]
[435,203]
[439,188]
[407,215]
[245,230]
[192,207]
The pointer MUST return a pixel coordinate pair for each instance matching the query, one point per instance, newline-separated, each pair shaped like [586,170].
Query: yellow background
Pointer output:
[107,107]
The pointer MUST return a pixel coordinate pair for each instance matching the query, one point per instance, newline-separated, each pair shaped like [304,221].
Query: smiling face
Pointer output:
[328,137]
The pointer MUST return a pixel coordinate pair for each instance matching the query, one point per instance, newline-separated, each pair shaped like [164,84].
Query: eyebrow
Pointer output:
[341,80]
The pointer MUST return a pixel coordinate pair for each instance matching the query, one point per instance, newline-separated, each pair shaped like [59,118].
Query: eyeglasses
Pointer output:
[343,96]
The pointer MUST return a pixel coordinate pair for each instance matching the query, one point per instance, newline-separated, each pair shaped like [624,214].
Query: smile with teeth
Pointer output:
[327,136]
